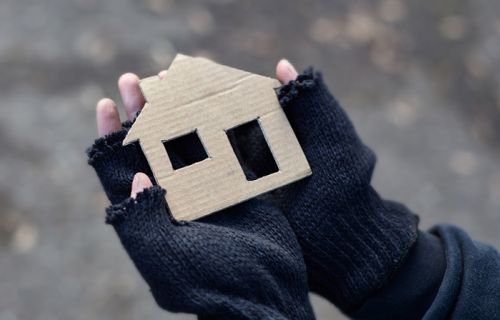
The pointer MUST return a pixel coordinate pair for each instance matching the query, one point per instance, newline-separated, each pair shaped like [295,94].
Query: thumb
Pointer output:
[285,71]
[140,182]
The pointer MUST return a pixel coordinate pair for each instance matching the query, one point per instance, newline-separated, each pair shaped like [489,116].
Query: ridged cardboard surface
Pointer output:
[200,95]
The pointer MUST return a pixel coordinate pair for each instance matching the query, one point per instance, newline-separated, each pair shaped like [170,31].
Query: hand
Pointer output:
[241,263]
[352,240]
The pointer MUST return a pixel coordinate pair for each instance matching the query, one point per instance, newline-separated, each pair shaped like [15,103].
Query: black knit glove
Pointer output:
[241,263]
[351,239]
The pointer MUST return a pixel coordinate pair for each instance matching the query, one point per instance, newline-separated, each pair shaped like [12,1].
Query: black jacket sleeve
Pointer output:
[446,276]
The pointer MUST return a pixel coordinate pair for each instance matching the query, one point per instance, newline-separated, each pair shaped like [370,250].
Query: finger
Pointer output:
[162,74]
[285,72]
[141,181]
[132,97]
[107,117]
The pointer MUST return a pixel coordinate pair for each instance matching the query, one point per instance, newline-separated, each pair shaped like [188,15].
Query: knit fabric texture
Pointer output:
[244,262]
[116,165]
[351,239]
[241,263]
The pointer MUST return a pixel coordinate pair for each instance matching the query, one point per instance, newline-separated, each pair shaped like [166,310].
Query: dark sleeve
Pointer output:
[446,275]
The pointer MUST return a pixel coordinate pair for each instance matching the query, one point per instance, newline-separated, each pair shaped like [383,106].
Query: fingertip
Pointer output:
[128,79]
[162,74]
[105,105]
[107,117]
[285,71]
[140,182]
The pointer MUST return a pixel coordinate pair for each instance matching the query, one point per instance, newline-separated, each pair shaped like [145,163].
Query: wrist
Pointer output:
[414,285]
[359,250]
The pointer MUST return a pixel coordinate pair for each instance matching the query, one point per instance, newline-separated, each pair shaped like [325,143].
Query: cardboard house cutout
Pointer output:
[205,99]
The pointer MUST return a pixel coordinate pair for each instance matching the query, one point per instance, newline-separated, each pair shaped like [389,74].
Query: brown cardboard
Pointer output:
[198,94]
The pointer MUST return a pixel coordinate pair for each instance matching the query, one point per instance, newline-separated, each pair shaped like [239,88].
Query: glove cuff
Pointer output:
[362,250]
[106,145]
[148,201]
[116,164]
[290,91]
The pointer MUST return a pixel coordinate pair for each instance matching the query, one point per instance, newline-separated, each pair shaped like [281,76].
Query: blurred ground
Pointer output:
[421,80]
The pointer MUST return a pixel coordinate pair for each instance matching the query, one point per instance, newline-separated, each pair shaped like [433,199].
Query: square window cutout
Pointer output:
[185,150]
[251,148]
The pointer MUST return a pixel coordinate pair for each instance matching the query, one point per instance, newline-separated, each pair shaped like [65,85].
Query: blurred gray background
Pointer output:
[420,79]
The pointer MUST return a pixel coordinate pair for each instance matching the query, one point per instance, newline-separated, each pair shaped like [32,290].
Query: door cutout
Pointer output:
[185,150]
[252,150]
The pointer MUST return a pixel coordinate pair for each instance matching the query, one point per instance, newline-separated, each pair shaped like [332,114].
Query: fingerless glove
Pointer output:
[352,240]
[241,263]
